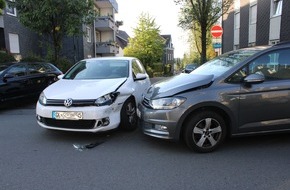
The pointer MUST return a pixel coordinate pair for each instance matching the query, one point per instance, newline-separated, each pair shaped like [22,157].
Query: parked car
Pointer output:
[23,79]
[190,67]
[242,92]
[97,94]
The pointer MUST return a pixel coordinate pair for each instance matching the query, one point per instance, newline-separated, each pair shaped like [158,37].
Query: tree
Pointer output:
[204,14]
[147,44]
[55,18]
[2,6]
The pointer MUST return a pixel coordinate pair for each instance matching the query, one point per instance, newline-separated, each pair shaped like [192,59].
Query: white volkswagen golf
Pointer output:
[97,94]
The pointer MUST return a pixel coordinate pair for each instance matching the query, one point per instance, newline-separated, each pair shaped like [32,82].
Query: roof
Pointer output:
[167,37]
[122,38]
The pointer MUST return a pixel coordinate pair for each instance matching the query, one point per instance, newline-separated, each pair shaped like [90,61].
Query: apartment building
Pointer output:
[14,38]
[99,39]
[168,53]
[102,38]
[256,22]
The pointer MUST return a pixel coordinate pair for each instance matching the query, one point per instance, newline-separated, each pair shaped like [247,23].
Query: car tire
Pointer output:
[129,119]
[205,132]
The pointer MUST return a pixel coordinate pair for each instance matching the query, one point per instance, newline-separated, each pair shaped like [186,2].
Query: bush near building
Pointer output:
[6,57]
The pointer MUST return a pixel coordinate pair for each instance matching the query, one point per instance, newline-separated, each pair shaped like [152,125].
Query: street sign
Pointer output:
[217,45]
[216,31]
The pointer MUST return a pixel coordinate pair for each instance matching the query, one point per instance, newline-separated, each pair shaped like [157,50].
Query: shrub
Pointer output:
[167,70]
[63,64]
[157,67]
[6,57]
[158,74]
[32,58]
[149,71]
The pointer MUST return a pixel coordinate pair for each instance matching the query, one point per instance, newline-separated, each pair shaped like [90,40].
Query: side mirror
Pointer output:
[254,79]
[140,76]
[60,76]
[7,76]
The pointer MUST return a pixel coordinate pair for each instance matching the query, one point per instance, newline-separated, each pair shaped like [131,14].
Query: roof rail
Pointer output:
[282,43]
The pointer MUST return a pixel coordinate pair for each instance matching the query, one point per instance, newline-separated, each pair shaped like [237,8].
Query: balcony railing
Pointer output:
[107,48]
[107,4]
[105,23]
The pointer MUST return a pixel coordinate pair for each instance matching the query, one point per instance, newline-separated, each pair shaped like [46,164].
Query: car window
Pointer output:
[273,66]
[99,69]
[137,67]
[17,70]
[46,68]
[34,68]
[190,66]
[223,63]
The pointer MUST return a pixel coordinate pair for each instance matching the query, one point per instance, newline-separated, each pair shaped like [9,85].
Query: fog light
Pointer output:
[160,127]
[105,121]
[38,117]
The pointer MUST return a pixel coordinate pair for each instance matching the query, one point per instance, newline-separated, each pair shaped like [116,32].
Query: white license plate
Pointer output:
[69,115]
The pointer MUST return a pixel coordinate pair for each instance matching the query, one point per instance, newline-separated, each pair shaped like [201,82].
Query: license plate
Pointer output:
[69,115]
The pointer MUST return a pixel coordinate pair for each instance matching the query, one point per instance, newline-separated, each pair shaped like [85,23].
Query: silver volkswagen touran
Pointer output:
[246,91]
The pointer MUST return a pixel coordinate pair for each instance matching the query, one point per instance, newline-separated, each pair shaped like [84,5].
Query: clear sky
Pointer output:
[165,13]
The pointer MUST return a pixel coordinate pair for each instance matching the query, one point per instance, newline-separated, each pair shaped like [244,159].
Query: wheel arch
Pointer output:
[220,109]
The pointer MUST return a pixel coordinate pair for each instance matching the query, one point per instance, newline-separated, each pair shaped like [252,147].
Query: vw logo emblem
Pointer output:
[68,102]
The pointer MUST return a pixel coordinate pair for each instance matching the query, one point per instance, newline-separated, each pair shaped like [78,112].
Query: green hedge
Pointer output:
[6,57]
[63,64]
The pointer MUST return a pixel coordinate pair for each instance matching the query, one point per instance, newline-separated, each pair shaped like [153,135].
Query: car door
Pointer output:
[15,83]
[266,106]
[139,85]
[37,77]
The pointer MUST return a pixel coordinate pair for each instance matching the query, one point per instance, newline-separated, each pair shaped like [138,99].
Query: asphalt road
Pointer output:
[33,158]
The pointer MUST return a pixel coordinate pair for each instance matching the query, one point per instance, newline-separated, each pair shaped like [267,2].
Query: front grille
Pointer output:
[69,124]
[76,103]
[145,102]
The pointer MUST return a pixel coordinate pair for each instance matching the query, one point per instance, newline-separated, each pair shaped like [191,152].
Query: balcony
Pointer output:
[107,4]
[107,48]
[105,23]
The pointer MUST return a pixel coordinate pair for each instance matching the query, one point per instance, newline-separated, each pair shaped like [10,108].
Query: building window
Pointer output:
[237,14]
[237,5]
[89,35]
[237,20]
[253,14]
[14,43]
[10,10]
[277,7]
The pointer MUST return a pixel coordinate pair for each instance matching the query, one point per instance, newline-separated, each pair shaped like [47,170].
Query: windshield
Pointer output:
[190,66]
[3,68]
[99,69]
[223,63]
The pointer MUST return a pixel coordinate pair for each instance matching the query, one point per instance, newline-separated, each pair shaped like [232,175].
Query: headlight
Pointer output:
[107,99]
[42,99]
[166,103]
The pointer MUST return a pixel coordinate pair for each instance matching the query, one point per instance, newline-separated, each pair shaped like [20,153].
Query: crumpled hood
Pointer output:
[82,89]
[177,84]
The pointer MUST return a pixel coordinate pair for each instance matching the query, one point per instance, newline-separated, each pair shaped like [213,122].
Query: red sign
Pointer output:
[216,31]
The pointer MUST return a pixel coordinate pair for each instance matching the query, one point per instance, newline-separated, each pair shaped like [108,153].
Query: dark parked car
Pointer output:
[190,67]
[242,92]
[25,79]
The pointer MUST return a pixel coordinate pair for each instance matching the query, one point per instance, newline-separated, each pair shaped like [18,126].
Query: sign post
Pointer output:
[216,32]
